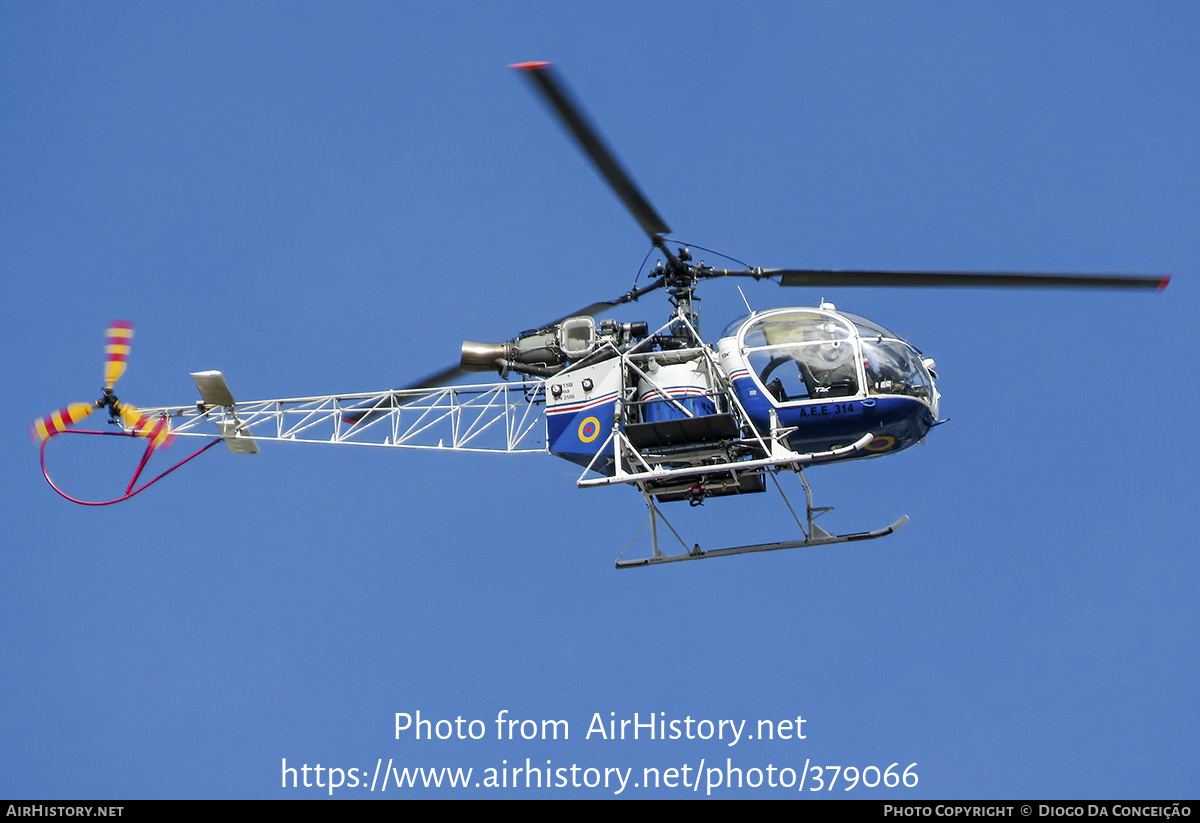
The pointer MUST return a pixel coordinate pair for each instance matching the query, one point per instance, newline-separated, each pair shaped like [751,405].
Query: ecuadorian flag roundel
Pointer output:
[589,429]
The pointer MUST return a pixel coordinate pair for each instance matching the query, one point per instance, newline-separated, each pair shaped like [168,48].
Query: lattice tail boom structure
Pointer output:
[506,417]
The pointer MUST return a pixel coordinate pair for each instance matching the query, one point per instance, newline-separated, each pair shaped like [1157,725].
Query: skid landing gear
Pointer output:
[814,535]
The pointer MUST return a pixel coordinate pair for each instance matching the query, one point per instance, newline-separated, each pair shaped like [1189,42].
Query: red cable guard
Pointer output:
[130,491]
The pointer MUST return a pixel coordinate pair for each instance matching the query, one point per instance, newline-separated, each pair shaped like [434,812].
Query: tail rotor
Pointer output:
[116,357]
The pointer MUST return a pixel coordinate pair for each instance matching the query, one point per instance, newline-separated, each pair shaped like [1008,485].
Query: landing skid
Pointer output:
[814,535]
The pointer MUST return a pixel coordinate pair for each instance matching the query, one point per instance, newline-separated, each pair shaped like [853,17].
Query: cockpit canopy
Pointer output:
[820,354]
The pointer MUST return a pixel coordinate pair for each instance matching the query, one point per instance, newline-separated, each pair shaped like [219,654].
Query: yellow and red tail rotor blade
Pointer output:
[156,428]
[160,435]
[116,351]
[134,419]
[54,423]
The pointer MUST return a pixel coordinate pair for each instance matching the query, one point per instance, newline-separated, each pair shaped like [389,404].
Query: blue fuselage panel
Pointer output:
[896,421]
[577,434]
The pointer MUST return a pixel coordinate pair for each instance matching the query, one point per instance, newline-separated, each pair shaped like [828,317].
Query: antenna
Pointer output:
[744,300]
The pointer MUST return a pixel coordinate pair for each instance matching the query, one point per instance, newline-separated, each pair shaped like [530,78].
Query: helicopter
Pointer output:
[658,409]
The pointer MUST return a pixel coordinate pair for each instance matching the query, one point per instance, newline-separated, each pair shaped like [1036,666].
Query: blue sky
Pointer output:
[319,199]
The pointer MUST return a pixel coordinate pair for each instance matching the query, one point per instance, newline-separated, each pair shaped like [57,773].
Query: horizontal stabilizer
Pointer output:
[213,389]
[214,392]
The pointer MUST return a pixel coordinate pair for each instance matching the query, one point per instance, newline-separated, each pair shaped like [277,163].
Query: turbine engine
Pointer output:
[545,352]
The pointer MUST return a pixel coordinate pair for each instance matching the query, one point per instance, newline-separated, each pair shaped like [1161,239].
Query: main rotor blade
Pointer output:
[452,373]
[429,381]
[604,305]
[447,375]
[828,277]
[439,378]
[545,79]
